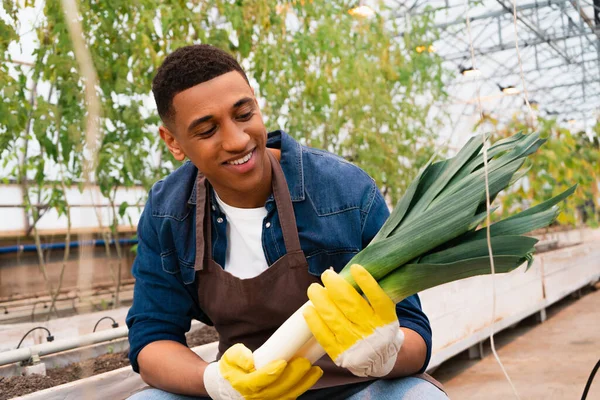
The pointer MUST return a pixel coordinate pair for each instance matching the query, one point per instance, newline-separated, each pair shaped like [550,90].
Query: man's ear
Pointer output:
[172,143]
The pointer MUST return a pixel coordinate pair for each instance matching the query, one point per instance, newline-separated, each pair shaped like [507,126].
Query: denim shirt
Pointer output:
[338,209]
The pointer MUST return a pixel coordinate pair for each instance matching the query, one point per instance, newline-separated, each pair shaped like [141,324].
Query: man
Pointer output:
[236,236]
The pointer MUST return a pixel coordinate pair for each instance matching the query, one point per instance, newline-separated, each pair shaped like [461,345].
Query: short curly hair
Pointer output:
[187,67]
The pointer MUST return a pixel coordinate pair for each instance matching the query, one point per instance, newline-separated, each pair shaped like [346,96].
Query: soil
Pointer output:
[202,336]
[20,385]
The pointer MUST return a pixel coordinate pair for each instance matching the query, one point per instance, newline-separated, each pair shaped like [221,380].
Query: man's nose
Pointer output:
[235,140]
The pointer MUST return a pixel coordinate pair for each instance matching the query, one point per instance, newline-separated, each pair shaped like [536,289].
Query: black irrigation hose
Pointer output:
[114,325]
[589,382]
[49,338]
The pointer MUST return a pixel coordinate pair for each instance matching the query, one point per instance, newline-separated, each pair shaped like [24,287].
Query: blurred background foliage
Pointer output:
[360,87]
[567,158]
[355,86]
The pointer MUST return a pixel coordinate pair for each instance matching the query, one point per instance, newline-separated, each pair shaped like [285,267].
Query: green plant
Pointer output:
[357,87]
[565,159]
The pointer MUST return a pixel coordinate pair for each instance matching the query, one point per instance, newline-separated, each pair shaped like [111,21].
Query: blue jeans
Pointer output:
[405,388]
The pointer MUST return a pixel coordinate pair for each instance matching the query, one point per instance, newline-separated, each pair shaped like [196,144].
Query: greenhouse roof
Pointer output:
[559,44]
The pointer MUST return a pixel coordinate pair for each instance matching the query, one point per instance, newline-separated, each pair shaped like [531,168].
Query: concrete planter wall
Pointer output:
[461,312]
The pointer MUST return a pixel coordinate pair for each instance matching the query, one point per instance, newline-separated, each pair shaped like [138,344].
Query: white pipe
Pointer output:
[24,354]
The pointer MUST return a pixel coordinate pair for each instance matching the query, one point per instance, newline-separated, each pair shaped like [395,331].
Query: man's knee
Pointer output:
[423,390]
[157,394]
[409,388]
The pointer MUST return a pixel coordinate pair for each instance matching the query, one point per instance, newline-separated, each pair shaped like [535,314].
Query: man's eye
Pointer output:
[246,116]
[206,133]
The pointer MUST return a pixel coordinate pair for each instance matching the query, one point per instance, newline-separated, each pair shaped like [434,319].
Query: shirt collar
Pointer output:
[291,164]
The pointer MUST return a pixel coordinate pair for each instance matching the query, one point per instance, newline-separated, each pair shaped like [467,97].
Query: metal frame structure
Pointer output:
[559,43]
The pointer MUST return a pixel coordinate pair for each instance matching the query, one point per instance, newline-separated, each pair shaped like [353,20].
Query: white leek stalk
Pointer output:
[292,339]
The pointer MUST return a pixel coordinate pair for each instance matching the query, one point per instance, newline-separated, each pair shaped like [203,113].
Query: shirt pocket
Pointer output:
[172,264]
[321,260]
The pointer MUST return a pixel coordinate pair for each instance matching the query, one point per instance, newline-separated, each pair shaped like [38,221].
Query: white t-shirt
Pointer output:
[245,257]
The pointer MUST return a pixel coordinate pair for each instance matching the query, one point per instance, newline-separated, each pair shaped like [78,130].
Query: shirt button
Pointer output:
[213,207]
[219,220]
[268,225]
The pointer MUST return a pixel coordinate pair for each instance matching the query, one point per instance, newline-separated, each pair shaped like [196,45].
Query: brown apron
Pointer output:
[248,311]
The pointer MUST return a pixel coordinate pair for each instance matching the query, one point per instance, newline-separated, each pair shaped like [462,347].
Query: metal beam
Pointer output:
[498,13]
[585,111]
[564,85]
[585,17]
[522,44]
[550,67]
[572,66]
[569,97]
[562,109]
[408,10]
[595,29]
[541,35]
[547,68]
[562,112]
[475,50]
[535,30]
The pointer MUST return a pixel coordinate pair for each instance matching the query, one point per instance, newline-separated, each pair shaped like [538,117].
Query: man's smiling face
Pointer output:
[217,124]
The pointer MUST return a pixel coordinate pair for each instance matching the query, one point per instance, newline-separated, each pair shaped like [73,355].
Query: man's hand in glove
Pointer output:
[362,336]
[235,378]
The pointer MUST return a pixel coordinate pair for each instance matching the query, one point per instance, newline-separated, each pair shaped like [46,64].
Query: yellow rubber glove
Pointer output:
[234,377]
[363,337]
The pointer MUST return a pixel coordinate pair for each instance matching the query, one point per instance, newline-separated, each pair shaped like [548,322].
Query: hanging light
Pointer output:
[470,71]
[361,11]
[509,90]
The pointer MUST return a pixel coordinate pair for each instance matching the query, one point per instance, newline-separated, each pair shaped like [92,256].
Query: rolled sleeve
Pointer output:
[161,308]
[409,311]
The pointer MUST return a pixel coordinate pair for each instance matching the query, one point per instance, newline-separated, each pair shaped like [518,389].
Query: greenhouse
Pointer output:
[300,199]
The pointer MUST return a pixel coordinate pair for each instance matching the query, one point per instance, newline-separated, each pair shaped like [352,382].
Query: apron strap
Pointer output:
[287,219]
[203,241]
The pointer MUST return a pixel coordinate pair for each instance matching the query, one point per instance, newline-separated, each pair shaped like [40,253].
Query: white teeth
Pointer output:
[242,160]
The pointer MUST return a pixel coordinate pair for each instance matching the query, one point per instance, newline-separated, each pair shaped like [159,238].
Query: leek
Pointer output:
[432,236]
